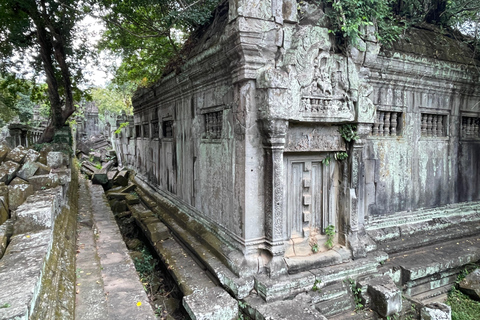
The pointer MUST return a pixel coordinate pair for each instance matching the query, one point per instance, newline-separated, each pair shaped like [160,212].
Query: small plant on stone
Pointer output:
[313,243]
[348,132]
[341,156]
[356,294]
[315,285]
[326,161]
[330,232]
[98,165]
[5,305]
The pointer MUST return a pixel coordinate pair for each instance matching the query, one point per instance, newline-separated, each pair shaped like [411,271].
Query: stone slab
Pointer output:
[18,191]
[211,304]
[43,182]
[28,170]
[285,310]
[17,154]
[32,155]
[385,297]
[4,211]
[436,311]
[471,284]
[8,170]
[56,159]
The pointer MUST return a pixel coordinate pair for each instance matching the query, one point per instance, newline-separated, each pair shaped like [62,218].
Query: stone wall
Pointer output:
[246,134]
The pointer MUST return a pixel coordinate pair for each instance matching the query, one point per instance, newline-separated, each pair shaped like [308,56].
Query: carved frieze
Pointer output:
[309,138]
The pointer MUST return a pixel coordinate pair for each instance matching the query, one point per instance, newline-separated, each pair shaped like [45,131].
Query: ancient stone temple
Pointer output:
[284,155]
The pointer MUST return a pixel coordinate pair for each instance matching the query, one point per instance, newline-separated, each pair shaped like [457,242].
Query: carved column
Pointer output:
[274,132]
[356,194]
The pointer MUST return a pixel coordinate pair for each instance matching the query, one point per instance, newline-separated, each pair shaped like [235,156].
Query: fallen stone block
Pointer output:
[18,191]
[32,155]
[8,170]
[56,159]
[116,195]
[4,150]
[64,175]
[211,304]
[4,213]
[436,311]
[285,310]
[386,298]
[43,182]
[121,179]
[4,192]
[132,199]
[5,234]
[99,178]
[28,170]
[42,169]
[32,217]
[471,284]
[17,154]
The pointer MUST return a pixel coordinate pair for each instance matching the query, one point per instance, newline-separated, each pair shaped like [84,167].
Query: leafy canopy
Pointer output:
[146,34]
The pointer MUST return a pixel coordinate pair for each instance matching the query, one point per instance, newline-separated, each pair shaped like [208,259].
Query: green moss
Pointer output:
[463,307]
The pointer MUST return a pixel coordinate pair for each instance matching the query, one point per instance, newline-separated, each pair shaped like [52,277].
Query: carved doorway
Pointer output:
[310,198]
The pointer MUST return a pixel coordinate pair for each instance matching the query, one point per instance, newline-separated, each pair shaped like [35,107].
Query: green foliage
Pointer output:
[326,160]
[330,232]
[5,305]
[98,165]
[341,156]
[356,294]
[463,307]
[145,267]
[122,125]
[316,284]
[314,247]
[114,99]
[348,132]
[148,33]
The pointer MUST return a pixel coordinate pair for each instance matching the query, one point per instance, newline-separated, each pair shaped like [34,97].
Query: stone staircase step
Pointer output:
[335,306]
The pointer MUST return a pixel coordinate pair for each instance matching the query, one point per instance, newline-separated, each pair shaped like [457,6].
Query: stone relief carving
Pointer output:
[328,94]
[305,138]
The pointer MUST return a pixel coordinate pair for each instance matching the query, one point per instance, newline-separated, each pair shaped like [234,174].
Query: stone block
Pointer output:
[28,170]
[43,182]
[55,159]
[8,170]
[64,175]
[211,304]
[32,217]
[4,150]
[32,155]
[132,199]
[286,310]
[17,154]
[99,178]
[121,179]
[18,191]
[471,284]
[436,311]
[4,213]
[42,169]
[386,298]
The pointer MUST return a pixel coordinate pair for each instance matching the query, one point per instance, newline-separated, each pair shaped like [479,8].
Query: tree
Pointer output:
[45,31]
[148,33]
[114,98]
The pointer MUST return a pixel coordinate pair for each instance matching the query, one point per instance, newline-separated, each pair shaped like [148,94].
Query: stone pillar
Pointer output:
[274,143]
[356,194]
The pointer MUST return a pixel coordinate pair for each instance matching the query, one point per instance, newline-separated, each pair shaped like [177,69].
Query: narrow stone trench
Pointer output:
[162,291]
[111,251]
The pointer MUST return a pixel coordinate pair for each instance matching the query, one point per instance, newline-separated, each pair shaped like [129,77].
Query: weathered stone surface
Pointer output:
[211,304]
[471,284]
[121,179]
[64,175]
[32,155]
[20,272]
[43,182]
[18,191]
[17,154]
[4,213]
[42,169]
[4,150]
[132,199]
[8,170]
[36,216]
[56,159]
[285,310]
[28,170]
[436,311]
[6,231]
[99,178]
[386,298]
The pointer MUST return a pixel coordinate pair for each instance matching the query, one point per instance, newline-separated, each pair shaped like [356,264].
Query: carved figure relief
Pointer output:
[328,94]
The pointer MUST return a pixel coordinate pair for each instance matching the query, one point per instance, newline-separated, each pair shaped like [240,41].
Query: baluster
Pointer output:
[476,127]
[387,124]
[376,124]
[434,125]
[381,123]
[440,127]
[468,127]
[429,125]
[393,122]
[424,125]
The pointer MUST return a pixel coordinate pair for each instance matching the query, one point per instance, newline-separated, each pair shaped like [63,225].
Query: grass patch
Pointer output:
[463,307]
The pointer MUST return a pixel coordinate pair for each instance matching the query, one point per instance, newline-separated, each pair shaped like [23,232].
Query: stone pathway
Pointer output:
[107,284]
